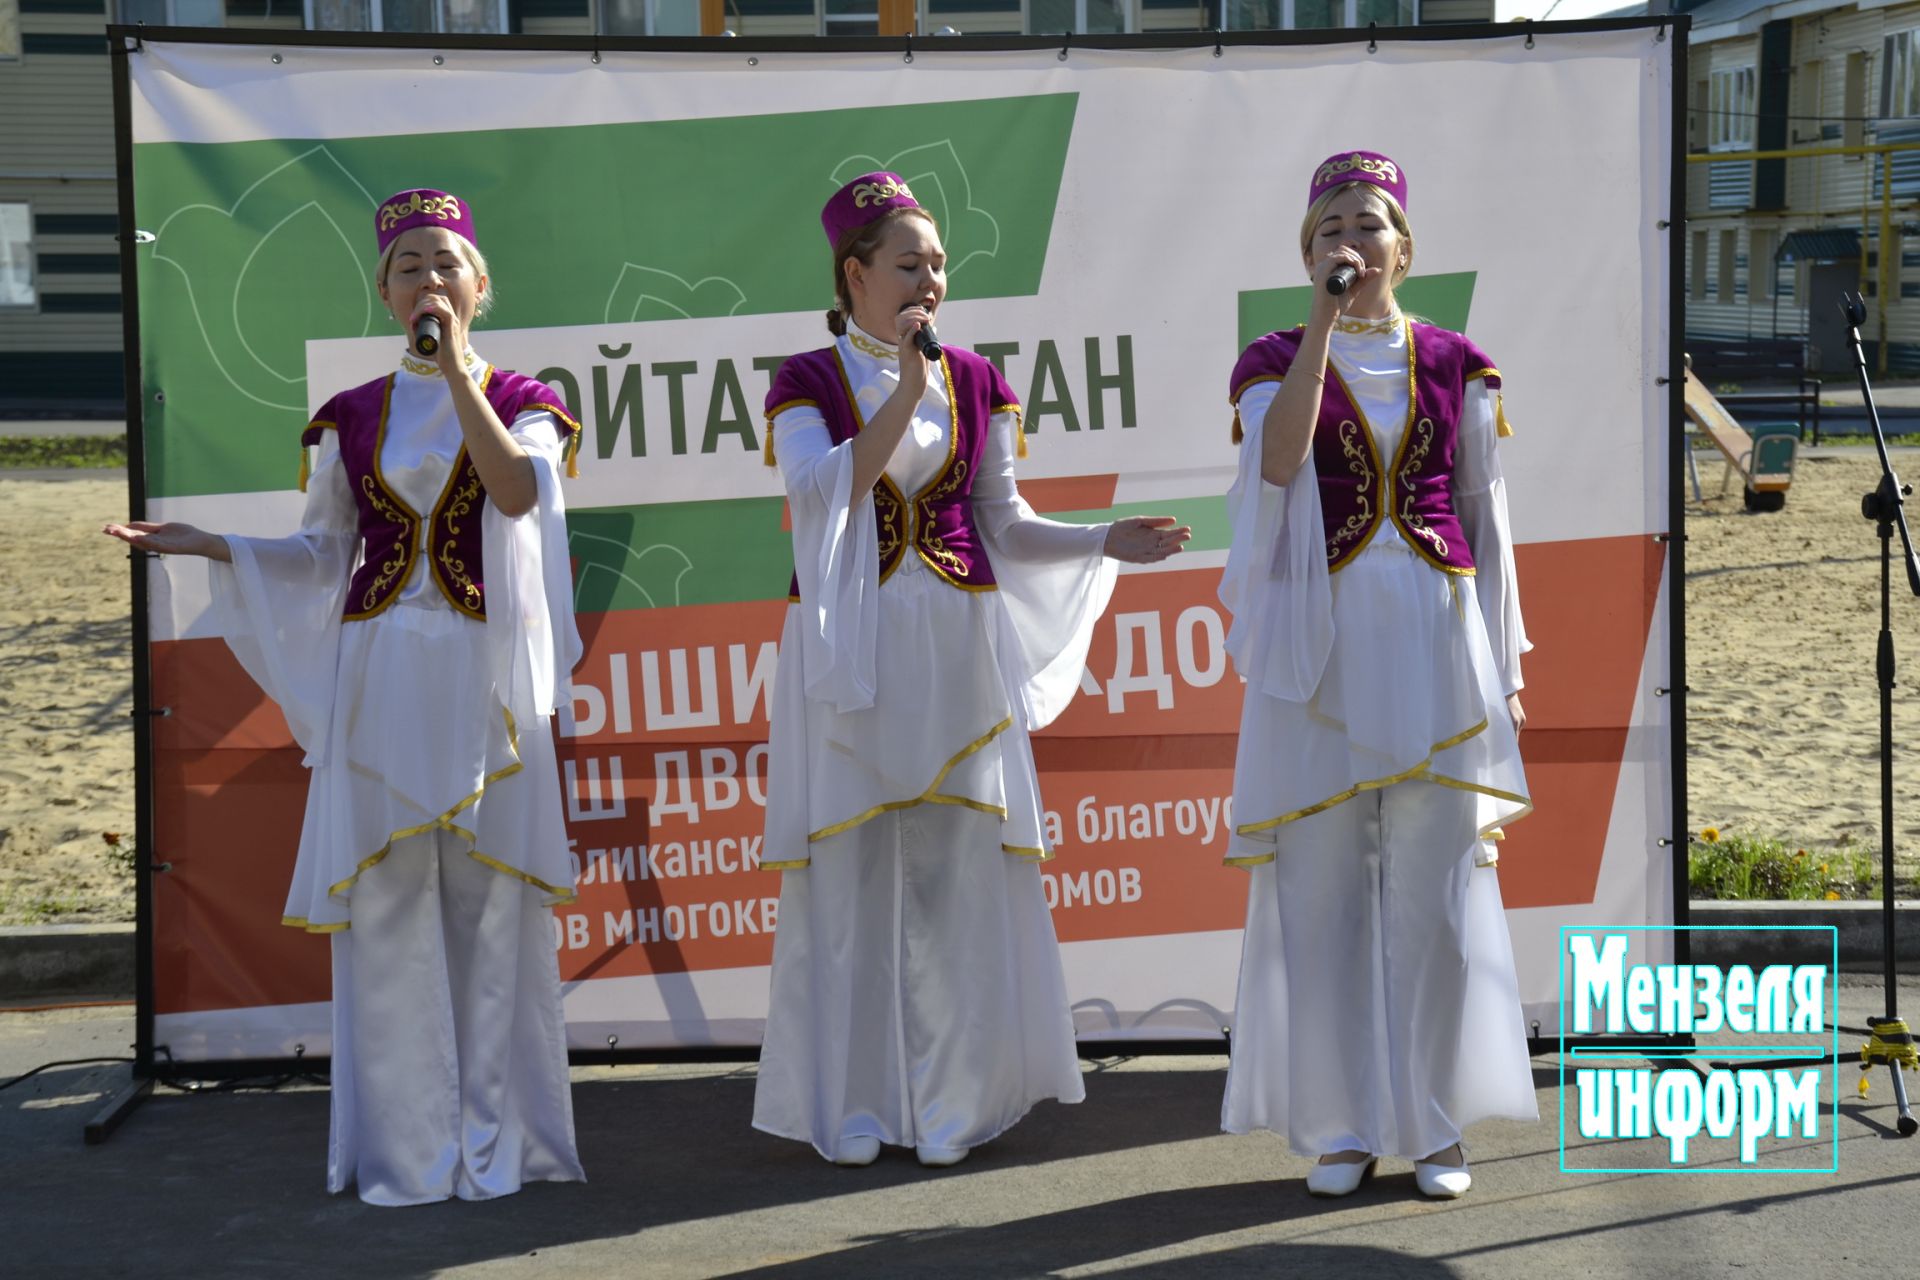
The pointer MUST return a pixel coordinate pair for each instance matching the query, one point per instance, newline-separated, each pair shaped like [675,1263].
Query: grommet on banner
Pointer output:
[908,55]
[139,37]
[753,62]
[1066,38]
[439,61]
[1373,46]
[1529,35]
[613,1042]
[1661,34]
[1216,42]
[595,59]
[275,59]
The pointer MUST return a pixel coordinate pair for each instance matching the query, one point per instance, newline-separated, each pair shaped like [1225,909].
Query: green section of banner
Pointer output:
[678,553]
[1443,300]
[1207,517]
[686,553]
[263,246]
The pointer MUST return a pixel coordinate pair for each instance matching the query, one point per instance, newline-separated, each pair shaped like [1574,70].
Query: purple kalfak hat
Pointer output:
[1359,166]
[866,199]
[423,208]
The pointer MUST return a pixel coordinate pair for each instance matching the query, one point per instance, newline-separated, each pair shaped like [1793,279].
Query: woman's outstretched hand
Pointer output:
[1145,539]
[170,539]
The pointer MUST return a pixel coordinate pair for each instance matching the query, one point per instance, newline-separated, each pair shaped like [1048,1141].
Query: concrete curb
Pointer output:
[43,960]
[1783,940]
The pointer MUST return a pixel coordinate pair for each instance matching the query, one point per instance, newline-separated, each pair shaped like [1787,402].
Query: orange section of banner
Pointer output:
[663,769]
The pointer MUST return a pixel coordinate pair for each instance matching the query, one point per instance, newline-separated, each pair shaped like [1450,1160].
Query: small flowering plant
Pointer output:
[1740,864]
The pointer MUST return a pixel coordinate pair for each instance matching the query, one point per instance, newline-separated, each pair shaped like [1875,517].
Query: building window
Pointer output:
[173,13]
[1809,84]
[1293,15]
[16,255]
[1761,266]
[1724,276]
[458,17]
[1899,78]
[9,29]
[1730,109]
[1853,131]
[1698,117]
[1697,268]
[650,17]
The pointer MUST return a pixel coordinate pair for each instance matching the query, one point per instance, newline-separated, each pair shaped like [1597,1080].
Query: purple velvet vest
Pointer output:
[937,522]
[1360,491]
[388,526]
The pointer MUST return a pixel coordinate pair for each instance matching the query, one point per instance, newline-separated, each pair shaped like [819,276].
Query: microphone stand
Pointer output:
[1891,1042]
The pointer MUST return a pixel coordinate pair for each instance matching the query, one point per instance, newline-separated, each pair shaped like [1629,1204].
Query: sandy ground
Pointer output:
[1782,618]
[1783,614]
[66,743]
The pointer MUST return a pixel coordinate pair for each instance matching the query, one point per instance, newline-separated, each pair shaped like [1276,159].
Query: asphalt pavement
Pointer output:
[1136,1182]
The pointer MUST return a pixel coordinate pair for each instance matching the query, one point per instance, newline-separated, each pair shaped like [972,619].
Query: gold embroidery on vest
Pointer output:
[1359,463]
[394,569]
[886,517]
[1416,457]
[932,546]
[456,506]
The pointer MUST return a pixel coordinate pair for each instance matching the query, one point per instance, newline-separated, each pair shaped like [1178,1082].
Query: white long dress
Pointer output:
[1378,1007]
[433,844]
[917,995]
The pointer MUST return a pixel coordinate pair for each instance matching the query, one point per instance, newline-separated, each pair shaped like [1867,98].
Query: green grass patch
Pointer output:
[1743,865]
[21,453]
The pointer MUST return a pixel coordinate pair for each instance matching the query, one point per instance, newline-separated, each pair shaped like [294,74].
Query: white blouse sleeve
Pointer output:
[835,557]
[1055,578]
[1276,583]
[278,603]
[1480,498]
[532,643]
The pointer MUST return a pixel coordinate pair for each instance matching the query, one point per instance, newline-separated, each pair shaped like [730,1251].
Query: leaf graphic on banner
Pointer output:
[262,272]
[615,573]
[940,183]
[648,293]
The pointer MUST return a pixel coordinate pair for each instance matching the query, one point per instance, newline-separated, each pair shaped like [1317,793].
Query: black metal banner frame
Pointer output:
[151,1063]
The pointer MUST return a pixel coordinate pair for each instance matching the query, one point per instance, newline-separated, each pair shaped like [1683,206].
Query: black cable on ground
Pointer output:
[65,1062]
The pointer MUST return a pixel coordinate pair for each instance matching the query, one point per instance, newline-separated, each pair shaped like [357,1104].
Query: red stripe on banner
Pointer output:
[1589,607]
[667,825]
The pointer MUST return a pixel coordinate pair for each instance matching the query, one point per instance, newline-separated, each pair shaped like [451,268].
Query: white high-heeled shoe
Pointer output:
[852,1153]
[1443,1181]
[1341,1179]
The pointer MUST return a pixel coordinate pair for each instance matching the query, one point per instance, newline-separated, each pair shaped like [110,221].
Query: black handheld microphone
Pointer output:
[426,335]
[1342,278]
[928,342]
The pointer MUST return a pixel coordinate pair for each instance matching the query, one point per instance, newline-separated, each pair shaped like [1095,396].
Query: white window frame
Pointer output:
[1349,14]
[928,22]
[1900,75]
[172,16]
[651,9]
[33,268]
[1732,108]
[376,16]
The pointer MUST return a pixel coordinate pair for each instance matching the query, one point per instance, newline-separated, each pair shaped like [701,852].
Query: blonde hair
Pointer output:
[1396,217]
[863,242]
[476,261]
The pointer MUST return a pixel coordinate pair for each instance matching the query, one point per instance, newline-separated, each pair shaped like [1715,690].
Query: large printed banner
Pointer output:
[1119,224]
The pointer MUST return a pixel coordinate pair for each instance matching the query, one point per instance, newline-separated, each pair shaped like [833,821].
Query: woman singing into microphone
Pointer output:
[416,632]
[1377,625]
[917,996]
